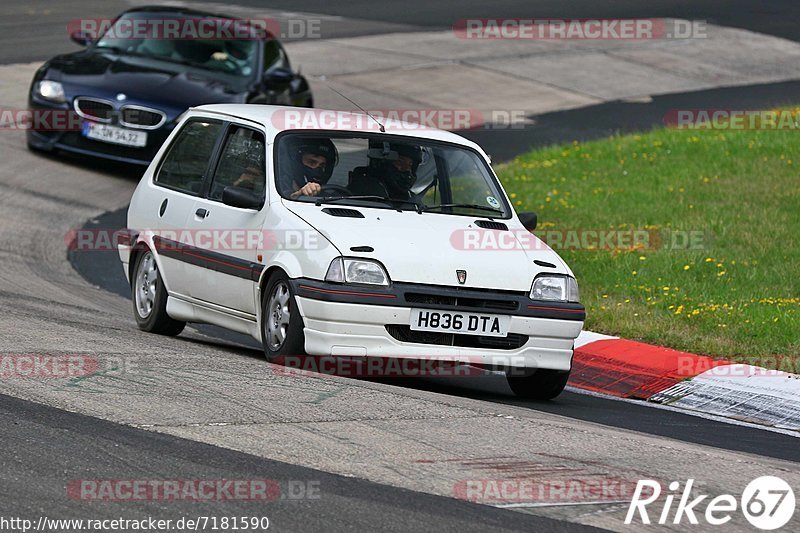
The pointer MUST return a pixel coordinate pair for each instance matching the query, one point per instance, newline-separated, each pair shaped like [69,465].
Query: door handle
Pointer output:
[201,212]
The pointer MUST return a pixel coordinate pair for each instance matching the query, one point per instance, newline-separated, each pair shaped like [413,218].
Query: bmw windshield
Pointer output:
[198,42]
[377,170]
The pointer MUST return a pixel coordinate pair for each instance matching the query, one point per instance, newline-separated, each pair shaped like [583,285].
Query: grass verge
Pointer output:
[716,266]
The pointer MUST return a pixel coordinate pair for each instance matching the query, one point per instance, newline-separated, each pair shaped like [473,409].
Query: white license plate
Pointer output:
[459,322]
[114,134]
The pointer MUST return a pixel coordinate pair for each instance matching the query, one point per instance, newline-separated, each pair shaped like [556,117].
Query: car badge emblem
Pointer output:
[121,97]
[462,276]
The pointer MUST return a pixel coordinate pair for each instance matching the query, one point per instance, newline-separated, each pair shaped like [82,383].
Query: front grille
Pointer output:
[141,117]
[94,109]
[403,333]
[482,303]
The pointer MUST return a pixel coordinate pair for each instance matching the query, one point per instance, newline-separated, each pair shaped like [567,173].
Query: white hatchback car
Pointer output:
[333,235]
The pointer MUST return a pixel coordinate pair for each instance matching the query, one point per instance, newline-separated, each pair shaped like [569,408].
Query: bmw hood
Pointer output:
[429,248]
[103,74]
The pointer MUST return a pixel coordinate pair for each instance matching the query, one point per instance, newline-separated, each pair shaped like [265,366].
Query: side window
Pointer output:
[241,163]
[186,161]
[274,56]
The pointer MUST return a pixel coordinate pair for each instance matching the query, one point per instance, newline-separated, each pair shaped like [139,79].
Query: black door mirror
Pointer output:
[278,76]
[528,220]
[82,38]
[243,198]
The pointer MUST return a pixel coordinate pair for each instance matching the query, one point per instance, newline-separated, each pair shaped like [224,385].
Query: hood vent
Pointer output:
[491,224]
[340,212]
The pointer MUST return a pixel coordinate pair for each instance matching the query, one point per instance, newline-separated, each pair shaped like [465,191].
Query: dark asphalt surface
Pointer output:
[774,17]
[103,269]
[45,450]
[603,120]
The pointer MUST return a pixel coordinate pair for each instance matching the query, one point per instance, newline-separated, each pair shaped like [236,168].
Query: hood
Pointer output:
[428,248]
[105,74]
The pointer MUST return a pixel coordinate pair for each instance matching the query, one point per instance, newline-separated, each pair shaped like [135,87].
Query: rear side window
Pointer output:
[186,162]
[241,163]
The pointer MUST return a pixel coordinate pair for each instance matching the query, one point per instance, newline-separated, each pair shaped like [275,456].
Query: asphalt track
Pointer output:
[773,17]
[50,448]
[102,268]
[46,447]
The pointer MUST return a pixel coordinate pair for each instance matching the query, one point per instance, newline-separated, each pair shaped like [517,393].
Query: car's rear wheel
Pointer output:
[541,385]
[281,323]
[149,298]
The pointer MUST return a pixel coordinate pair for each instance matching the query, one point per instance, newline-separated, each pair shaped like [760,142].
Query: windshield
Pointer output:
[380,171]
[193,41]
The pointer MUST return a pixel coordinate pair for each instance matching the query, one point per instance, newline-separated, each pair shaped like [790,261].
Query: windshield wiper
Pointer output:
[389,201]
[122,51]
[466,206]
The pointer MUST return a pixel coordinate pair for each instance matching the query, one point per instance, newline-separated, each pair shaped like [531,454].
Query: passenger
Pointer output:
[390,173]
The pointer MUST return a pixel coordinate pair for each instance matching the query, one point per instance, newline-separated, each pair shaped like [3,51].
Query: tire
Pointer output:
[281,323]
[541,385]
[149,298]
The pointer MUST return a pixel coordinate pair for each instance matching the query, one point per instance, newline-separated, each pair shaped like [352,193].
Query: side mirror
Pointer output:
[243,198]
[278,76]
[528,220]
[81,37]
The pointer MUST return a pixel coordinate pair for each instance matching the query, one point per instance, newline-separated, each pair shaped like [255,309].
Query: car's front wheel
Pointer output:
[281,323]
[150,298]
[541,385]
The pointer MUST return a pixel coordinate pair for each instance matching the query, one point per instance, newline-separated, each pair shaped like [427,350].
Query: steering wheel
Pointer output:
[339,190]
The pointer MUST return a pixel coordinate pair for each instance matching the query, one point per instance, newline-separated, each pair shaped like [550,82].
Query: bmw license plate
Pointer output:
[114,134]
[458,322]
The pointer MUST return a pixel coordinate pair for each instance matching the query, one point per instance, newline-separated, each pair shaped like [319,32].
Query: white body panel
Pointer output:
[414,248]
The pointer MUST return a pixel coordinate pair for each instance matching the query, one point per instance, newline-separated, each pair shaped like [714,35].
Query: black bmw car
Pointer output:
[129,88]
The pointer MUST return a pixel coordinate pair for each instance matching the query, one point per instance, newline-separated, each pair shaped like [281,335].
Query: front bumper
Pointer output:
[346,321]
[75,143]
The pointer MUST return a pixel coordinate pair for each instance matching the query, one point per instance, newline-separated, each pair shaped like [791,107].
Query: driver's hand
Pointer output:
[310,189]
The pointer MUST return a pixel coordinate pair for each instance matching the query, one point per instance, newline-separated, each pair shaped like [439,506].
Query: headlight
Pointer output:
[346,270]
[555,288]
[50,90]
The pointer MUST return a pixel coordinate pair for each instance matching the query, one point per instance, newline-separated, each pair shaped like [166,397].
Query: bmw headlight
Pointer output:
[50,90]
[362,271]
[555,288]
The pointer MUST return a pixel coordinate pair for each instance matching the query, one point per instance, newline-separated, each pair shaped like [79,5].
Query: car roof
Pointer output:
[274,119]
[175,9]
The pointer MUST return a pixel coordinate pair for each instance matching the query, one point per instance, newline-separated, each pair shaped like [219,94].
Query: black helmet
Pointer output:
[398,183]
[317,146]
[410,151]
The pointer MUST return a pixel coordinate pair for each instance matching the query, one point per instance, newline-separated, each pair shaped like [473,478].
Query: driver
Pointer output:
[391,173]
[311,162]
